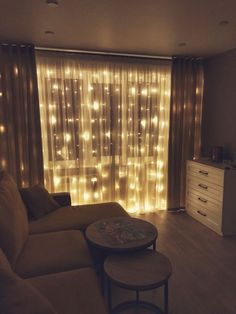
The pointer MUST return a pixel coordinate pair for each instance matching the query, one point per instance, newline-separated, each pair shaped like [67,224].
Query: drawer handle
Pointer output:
[199,212]
[205,173]
[202,200]
[203,186]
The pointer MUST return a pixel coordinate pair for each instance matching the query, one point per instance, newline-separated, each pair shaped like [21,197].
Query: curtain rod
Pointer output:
[119,54]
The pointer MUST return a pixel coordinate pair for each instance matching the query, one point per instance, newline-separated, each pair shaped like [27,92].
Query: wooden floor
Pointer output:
[204,267]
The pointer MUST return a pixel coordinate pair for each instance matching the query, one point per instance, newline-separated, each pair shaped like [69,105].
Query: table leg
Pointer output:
[154,246]
[109,295]
[166,298]
[102,281]
[137,296]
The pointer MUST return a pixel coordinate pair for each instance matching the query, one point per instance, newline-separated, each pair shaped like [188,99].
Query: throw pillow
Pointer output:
[38,201]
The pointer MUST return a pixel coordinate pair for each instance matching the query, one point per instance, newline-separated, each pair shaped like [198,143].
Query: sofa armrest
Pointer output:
[62,198]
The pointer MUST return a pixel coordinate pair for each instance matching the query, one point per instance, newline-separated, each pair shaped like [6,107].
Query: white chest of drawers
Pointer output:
[211,195]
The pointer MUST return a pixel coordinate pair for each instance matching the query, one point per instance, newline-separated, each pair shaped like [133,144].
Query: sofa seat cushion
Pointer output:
[72,292]
[76,217]
[53,252]
[14,227]
[17,296]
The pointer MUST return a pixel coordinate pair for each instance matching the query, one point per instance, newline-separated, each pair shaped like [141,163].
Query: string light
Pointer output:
[95,105]
[2,129]
[130,125]
[86,136]
[94,180]
[67,137]
[53,120]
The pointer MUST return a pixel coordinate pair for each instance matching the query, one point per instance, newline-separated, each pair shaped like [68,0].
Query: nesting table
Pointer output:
[135,267]
[140,271]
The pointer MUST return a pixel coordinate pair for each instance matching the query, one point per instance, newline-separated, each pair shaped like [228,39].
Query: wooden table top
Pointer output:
[145,269]
[121,234]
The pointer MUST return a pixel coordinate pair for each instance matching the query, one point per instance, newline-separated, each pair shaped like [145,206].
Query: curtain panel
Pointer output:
[105,125]
[20,132]
[185,124]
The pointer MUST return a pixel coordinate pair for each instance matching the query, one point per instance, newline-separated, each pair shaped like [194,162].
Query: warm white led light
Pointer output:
[68,137]
[133,90]
[53,120]
[155,120]
[132,122]
[86,136]
[86,196]
[144,92]
[2,129]
[143,123]
[95,105]
[56,180]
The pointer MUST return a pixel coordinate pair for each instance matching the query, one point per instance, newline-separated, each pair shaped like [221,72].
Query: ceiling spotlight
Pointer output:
[49,33]
[223,23]
[183,44]
[52,3]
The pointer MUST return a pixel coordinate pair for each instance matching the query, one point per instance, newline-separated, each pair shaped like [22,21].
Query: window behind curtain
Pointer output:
[105,125]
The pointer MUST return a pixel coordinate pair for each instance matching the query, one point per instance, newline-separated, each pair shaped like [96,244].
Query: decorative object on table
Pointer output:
[120,231]
[122,234]
[217,154]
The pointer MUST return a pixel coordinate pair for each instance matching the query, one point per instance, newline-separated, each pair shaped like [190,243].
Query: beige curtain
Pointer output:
[20,134]
[185,124]
[105,124]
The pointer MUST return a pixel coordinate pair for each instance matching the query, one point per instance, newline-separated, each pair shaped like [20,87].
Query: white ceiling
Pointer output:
[154,27]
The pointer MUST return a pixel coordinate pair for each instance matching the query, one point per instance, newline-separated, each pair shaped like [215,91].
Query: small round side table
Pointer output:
[139,271]
[122,234]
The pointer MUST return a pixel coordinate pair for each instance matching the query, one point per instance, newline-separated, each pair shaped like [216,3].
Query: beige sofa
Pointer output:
[45,264]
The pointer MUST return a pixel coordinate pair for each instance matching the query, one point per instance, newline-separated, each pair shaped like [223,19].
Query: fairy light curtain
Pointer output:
[105,125]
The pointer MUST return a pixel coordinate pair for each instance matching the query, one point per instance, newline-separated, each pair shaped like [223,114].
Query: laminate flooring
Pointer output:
[204,267]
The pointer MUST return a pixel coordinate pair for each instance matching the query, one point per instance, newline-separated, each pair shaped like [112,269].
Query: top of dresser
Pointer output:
[210,163]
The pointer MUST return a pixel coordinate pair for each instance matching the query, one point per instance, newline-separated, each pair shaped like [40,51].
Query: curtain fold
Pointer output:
[185,124]
[105,128]
[20,131]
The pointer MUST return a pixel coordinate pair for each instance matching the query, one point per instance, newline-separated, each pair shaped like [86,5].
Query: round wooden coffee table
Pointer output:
[122,234]
[139,271]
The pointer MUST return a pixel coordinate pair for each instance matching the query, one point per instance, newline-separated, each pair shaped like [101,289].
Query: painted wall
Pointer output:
[219,104]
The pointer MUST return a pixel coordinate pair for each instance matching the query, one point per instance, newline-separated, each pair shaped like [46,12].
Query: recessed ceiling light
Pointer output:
[183,44]
[49,33]
[52,3]
[223,23]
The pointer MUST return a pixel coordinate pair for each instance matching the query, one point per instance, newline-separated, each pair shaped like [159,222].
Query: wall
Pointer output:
[219,105]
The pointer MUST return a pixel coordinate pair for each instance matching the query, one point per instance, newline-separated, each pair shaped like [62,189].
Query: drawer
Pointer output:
[206,204]
[204,188]
[206,173]
[203,217]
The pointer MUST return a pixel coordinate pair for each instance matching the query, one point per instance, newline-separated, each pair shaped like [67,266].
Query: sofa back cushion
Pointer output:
[14,227]
[18,296]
